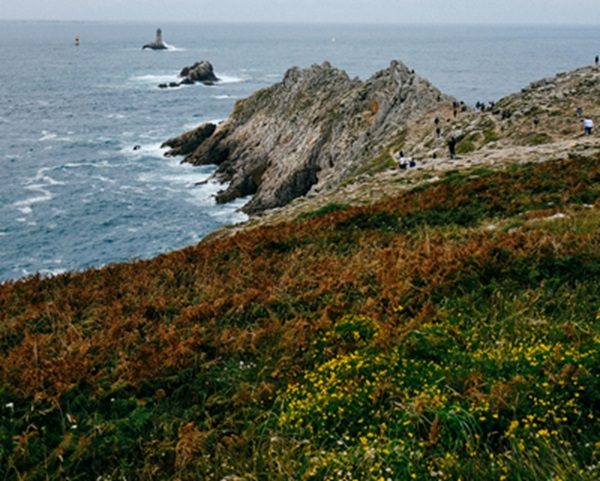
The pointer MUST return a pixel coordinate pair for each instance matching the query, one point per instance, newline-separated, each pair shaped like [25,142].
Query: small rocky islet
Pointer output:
[202,72]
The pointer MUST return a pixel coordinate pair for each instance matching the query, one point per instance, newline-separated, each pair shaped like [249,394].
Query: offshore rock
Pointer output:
[202,71]
[199,72]
[311,131]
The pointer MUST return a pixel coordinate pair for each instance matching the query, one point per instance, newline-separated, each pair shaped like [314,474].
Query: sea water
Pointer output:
[75,194]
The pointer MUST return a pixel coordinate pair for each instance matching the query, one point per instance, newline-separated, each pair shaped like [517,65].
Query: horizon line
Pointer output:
[304,22]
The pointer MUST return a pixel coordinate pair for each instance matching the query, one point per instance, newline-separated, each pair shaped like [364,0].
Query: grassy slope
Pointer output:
[448,333]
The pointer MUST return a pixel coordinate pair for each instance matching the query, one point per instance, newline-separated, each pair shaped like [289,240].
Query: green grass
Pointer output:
[535,138]
[468,144]
[381,161]
[326,209]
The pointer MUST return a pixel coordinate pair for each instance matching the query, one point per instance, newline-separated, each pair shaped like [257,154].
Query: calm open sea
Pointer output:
[74,193]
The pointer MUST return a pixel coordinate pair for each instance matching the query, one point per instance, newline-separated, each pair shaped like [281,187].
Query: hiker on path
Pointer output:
[588,126]
[402,160]
[453,139]
[452,147]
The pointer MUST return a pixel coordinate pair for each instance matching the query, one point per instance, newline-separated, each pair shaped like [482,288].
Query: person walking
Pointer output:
[588,126]
[452,146]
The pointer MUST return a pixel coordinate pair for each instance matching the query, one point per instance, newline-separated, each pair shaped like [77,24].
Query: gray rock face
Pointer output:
[199,72]
[186,144]
[311,131]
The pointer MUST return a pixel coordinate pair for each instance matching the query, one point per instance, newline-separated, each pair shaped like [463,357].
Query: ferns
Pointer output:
[217,360]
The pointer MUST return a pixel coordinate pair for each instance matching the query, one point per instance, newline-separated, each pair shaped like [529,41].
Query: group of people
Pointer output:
[405,162]
[453,139]
[458,107]
[482,107]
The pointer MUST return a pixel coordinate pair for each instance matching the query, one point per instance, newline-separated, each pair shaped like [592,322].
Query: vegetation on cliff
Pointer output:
[449,332]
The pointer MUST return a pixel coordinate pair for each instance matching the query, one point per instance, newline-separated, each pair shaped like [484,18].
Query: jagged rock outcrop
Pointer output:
[186,144]
[311,131]
[202,71]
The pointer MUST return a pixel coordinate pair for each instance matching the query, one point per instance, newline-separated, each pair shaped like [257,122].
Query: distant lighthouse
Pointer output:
[158,43]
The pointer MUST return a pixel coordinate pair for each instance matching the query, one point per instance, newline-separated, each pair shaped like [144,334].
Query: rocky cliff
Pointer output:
[547,112]
[310,132]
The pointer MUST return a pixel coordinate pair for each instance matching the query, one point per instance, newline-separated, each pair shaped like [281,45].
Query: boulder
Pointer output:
[199,72]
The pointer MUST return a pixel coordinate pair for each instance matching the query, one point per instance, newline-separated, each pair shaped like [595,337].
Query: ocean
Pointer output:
[75,194]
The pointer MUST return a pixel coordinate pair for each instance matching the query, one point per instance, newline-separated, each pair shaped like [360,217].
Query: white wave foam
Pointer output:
[178,175]
[38,184]
[24,205]
[41,176]
[173,48]
[223,97]
[77,165]
[230,212]
[52,272]
[25,209]
[230,79]
[154,79]
[145,150]
[47,136]
[101,178]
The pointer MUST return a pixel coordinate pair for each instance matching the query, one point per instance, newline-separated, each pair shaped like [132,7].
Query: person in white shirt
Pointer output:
[588,126]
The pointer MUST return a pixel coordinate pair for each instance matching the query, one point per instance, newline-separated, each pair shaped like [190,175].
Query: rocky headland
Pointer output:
[320,135]
[310,132]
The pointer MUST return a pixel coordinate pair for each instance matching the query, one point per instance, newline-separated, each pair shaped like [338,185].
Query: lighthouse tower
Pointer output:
[158,44]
